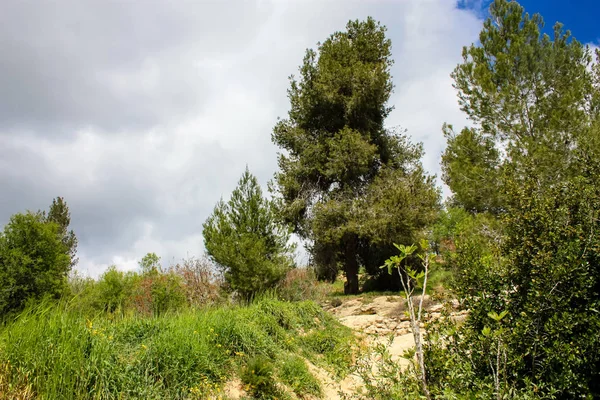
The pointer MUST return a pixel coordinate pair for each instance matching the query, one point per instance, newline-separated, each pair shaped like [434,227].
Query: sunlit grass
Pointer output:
[59,353]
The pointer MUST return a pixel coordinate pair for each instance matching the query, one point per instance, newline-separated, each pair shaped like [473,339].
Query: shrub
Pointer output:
[78,284]
[301,284]
[553,250]
[34,262]
[150,263]
[155,293]
[201,282]
[247,240]
[532,324]
[113,290]
[258,376]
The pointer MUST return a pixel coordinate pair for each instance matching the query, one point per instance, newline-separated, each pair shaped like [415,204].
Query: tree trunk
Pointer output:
[351,269]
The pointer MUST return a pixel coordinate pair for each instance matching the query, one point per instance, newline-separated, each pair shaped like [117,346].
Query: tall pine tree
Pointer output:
[349,185]
[59,214]
[535,102]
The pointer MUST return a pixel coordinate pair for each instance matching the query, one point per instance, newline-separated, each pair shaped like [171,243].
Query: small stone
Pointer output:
[436,308]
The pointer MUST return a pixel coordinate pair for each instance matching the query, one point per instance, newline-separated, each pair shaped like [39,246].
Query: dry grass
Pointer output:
[302,284]
[9,391]
[201,280]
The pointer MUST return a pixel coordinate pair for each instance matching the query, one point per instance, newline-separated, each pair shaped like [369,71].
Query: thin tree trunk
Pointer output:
[351,266]
[415,319]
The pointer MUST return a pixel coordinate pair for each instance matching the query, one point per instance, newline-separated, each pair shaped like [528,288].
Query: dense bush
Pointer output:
[553,250]
[245,238]
[259,379]
[155,293]
[34,262]
[531,284]
[201,282]
[150,293]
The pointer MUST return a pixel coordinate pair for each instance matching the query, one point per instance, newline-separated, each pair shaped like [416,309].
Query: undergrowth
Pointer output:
[55,352]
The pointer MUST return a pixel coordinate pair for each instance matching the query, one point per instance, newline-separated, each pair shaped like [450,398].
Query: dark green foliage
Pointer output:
[539,265]
[245,238]
[37,251]
[34,261]
[348,184]
[470,166]
[59,214]
[553,248]
[470,248]
[545,275]
[446,228]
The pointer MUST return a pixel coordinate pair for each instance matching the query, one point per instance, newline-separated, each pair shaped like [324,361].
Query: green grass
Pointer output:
[439,277]
[294,372]
[58,353]
[330,349]
[258,376]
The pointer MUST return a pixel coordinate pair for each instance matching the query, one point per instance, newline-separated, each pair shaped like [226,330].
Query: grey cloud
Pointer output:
[142,114]
[111,208]
[114,65]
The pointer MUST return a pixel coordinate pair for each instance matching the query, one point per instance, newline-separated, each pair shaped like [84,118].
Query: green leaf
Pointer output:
[502,315]
[493,315]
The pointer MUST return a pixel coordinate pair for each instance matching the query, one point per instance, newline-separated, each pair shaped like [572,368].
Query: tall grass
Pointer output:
[57,352]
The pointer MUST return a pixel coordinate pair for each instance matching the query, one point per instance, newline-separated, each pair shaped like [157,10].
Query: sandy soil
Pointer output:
[375,320]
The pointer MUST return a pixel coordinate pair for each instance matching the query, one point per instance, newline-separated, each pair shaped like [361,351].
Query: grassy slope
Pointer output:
[58,353]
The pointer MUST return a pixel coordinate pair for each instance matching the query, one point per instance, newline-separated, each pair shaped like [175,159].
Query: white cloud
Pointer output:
[160,119]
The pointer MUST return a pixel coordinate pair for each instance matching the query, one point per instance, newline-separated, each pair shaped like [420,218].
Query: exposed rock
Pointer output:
[436,308]
[382,319]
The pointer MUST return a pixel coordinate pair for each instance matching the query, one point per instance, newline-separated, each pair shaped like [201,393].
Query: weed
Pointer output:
[295,374]
[332,345]
[258,378]
[63,353]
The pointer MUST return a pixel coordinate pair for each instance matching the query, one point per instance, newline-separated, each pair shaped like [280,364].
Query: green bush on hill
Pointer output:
[246,239]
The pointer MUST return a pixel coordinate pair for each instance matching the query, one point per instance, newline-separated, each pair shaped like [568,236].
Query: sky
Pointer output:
[579,16]
[143,114]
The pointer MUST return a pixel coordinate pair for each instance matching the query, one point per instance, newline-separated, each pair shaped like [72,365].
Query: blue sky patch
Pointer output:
[579,16]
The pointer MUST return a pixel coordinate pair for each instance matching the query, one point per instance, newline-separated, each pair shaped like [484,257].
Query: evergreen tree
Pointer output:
[527,94]
[471,168]
[244,237]
[536,99]
[59,214]
[338,154]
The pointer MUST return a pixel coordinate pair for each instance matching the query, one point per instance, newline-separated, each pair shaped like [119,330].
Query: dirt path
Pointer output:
[377,319]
